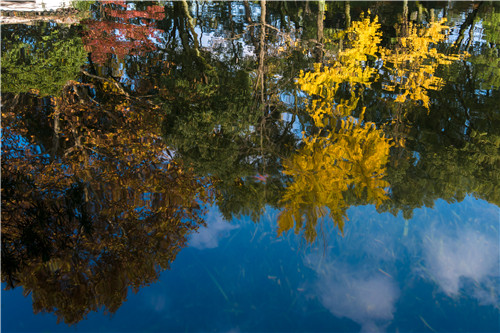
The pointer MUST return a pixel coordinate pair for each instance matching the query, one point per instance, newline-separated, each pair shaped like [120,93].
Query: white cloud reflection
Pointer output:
[217,228]
[470,254]
[363,295]
[462,257]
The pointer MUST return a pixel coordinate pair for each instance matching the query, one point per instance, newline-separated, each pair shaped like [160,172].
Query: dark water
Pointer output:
[251,166]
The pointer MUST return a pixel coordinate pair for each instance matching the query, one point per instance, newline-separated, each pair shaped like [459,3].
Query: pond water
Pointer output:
[251,166]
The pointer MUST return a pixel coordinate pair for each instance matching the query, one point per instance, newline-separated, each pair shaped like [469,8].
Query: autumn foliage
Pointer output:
[91,205]
[124,32]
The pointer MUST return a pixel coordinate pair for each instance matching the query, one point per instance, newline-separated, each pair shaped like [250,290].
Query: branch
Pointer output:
[116,84]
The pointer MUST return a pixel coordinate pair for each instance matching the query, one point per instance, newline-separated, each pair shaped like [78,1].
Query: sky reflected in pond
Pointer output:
[253,281]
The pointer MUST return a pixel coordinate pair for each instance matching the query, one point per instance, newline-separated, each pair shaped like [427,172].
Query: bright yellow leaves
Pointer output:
[339,163]
[351,159]
[364,37]
[347,158]
[350,65]
[326,168]
[412,64]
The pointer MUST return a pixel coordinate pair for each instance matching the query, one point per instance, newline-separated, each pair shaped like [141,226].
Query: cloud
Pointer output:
[157,302]
[364,296]
[217,228]
[470,255]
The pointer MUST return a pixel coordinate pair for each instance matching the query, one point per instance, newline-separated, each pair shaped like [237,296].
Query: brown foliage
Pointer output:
[91,205]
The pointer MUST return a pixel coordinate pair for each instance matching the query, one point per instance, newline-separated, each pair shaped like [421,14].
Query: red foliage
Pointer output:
[117,35]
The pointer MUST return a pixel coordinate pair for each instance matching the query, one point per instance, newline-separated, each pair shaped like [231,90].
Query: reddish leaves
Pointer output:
[125,32]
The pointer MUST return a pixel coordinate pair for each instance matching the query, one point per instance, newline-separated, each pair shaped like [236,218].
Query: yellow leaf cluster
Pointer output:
[350,67]
[415,60]
[353,157]
[364,37]
[325,168]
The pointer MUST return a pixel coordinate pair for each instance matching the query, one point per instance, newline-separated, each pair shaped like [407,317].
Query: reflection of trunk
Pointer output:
[55,138]
[190,25]
[260,71]
[233,44]
[248,11]
[471,37]
[469,22]
[404,30]
[102,11]
[185,25]
[405,10]
[260,76]
[180,26]
[319,43]
[248,16]
[347,8]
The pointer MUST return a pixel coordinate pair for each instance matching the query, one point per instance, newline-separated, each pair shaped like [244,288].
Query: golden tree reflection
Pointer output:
[348,155]
[349,67]
[412,64]
[326,168]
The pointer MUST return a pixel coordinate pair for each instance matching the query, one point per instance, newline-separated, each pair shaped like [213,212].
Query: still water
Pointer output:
[251,166]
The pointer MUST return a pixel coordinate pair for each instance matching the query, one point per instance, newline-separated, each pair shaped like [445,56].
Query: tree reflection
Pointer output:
[342,154]
[94,208]
[413,62]
[122,32]
[450,147]
[347,155]
[222,118]
[52,53]
[327,167]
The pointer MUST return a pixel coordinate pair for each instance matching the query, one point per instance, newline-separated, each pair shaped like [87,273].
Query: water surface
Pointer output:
[251,166]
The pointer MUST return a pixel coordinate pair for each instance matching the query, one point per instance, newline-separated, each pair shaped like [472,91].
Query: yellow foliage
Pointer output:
[412,65]
[325,168]
[350,159]
[364,37]
[353,158]
[414,62]
[322,83]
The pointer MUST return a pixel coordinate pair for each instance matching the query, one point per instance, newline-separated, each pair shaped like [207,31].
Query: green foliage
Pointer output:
[487,64]
[491,25]
[446,173]
[44,64]
[207,122]
[82,5]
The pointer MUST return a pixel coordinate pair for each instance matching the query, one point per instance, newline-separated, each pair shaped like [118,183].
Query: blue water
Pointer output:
[439,271]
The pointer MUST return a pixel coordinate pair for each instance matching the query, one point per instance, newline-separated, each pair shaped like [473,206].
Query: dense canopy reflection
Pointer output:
[120,131]
[89,204]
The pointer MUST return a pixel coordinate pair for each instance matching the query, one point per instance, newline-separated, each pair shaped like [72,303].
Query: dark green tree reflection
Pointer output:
[220,117]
